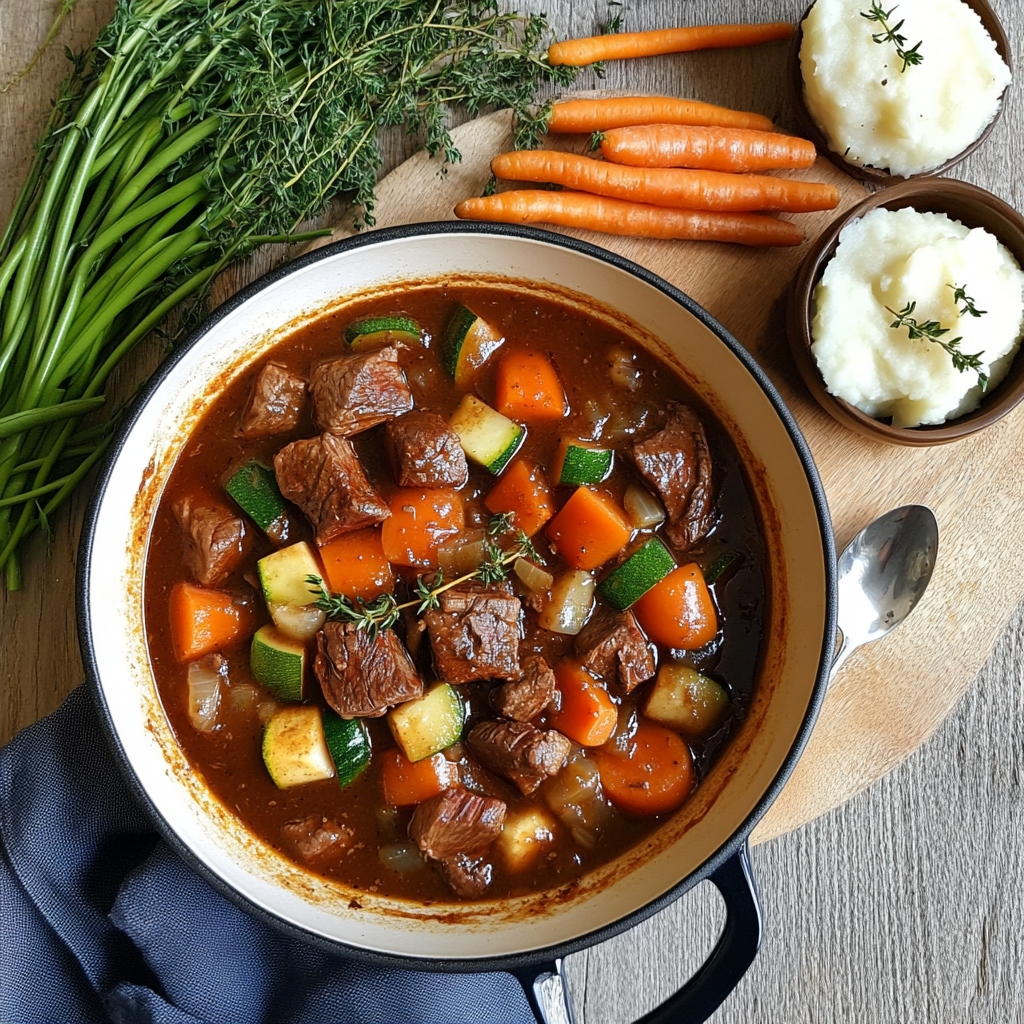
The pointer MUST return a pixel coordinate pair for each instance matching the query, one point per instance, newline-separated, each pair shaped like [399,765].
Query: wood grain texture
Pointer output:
[905,903]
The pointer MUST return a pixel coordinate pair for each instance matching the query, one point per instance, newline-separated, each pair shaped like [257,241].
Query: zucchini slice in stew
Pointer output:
[349,746]
[428,724]
[468,343]
[646,567]
[294,748]
[278,662]
[487,437]
[283,575]
[376,331]
[254,488]
[581,462]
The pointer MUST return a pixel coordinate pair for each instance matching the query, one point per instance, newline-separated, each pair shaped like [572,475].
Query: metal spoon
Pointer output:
[883,574]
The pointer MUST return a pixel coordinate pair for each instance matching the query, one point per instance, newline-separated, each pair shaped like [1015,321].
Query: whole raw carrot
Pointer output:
[620,45]
[692,190]
[585,116]
[616,217]
[716,149]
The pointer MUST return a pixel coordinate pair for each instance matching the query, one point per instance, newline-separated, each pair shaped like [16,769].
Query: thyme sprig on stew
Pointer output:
[932,330]
[893,35]
[384,612]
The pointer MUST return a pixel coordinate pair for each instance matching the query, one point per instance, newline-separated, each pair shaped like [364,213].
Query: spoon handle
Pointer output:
[839,659]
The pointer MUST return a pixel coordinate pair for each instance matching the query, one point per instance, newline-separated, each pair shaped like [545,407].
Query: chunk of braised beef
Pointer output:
[353,393]
[276,402]
[456,821]
[425,451]
[527,697]
[474,634]
[214,538]
[323,476]
[677,463]
[466,876]
[316,838]
[612,646]
[520,752]
[360,677]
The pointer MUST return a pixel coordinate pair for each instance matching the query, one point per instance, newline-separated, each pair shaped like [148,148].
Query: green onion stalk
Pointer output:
[191,132]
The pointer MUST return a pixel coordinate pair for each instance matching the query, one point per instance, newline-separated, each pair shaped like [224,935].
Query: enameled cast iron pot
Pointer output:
[707,838]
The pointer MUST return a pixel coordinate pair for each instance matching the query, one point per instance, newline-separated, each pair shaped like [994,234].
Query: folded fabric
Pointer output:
[101,921]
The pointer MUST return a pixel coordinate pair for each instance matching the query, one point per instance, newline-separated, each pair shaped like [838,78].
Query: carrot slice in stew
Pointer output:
[678,611]
[204,620]
[589,529]
[652,775]
[408,782]
[355,566]
[524,490]
[585,713]
[528,388]
[421,520]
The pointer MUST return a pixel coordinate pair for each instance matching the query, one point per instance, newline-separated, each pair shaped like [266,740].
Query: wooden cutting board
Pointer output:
[890,696]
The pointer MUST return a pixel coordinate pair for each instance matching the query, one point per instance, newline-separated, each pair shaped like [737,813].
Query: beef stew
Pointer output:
[523,702]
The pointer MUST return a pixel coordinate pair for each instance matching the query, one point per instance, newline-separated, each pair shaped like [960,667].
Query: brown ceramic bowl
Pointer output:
[879,176]
[971,206]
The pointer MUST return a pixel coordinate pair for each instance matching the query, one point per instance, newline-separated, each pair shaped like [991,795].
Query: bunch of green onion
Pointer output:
[191,132]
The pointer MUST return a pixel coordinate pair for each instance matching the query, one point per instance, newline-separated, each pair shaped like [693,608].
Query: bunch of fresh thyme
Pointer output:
[383,612]
[893,35]
[932,330]
[191,132]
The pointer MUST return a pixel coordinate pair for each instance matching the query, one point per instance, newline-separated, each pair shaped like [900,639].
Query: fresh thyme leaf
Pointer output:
[499,523]
[892,34]
[960,295]
[530,124]
[492,569]
[526,548]
[932,330]
[428,592]
[489,188]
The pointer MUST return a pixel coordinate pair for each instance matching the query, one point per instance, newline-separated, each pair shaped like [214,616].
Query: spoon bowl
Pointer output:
[883,574]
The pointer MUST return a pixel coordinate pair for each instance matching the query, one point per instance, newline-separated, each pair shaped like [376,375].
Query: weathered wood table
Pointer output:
[905,904]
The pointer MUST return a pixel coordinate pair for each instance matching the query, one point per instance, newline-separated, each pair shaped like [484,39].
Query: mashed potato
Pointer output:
[890,259]
[908,121]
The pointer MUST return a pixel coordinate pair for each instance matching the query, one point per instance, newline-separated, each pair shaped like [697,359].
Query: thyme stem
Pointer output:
[933,331]
[893,35]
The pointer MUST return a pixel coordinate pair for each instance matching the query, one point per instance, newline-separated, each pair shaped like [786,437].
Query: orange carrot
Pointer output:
[692,190]
[737,150]
[528,388]
[621,45]
[354,565]
[585,712]
[204,620]
[585,116]
[523,490]
[678,611]
[652,775]
[589,529]
[408,782]
[421,520]
[617,217]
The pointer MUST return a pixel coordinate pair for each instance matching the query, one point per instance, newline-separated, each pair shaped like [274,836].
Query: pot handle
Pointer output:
[707,989]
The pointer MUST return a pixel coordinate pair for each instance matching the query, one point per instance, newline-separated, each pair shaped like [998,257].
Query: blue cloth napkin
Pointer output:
[100,920]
